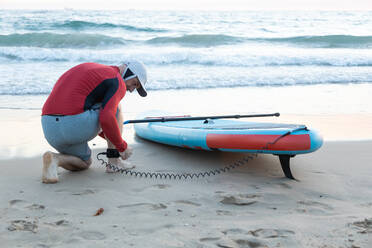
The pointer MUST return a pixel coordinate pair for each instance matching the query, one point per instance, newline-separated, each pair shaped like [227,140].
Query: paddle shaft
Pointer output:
[165,119]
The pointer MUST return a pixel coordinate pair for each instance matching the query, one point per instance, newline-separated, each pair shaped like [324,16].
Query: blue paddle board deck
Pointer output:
[230,135]
[284,140]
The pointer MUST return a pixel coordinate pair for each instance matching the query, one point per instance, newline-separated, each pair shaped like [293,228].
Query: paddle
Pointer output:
[189,118]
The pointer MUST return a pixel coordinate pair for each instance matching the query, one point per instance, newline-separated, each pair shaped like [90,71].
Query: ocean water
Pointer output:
[318,53]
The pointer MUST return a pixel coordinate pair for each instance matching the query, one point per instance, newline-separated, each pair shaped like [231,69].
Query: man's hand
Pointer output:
[126,154]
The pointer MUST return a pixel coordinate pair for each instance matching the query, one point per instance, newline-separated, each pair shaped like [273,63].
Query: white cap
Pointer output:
[139,71]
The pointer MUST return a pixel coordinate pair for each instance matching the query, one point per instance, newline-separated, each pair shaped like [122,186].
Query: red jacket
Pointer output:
[84,85]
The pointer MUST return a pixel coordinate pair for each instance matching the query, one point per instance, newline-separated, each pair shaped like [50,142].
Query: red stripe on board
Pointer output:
[198,147]
[259,142]
[186,146]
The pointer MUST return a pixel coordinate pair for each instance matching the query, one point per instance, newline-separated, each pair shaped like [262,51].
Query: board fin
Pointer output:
[284,162]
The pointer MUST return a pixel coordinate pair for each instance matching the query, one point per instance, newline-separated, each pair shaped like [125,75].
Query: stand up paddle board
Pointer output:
[216,134]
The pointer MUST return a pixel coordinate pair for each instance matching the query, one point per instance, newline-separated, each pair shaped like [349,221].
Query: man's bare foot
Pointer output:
[124,165]
[49,168]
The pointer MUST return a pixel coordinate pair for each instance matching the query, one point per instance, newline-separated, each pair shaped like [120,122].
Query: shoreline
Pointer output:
[23,136]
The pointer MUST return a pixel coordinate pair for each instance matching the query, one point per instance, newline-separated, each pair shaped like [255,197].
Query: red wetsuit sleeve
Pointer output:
[107,116]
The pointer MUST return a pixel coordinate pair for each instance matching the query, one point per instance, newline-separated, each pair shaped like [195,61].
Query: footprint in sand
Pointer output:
[150,205]
[261,233]
[24,205]
[226,243]
[251,243]
[23,225]
[62,223]
[77,192]
[240,199]
[234,231]
[224,212]
[271,233]
[240,238]
[365,226]
[185,202]
[58,223]
[35,207]
[314,207]
[241,242]
[209,239]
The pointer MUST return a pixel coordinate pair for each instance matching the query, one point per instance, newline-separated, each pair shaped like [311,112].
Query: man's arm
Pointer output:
[107,117]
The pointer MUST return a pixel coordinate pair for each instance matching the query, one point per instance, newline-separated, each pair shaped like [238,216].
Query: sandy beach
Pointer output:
[251,206]
[203,58]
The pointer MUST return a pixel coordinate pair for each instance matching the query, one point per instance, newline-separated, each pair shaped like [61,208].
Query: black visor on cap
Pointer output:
[141,92]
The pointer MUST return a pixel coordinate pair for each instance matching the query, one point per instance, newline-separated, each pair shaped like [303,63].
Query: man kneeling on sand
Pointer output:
[84,103]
